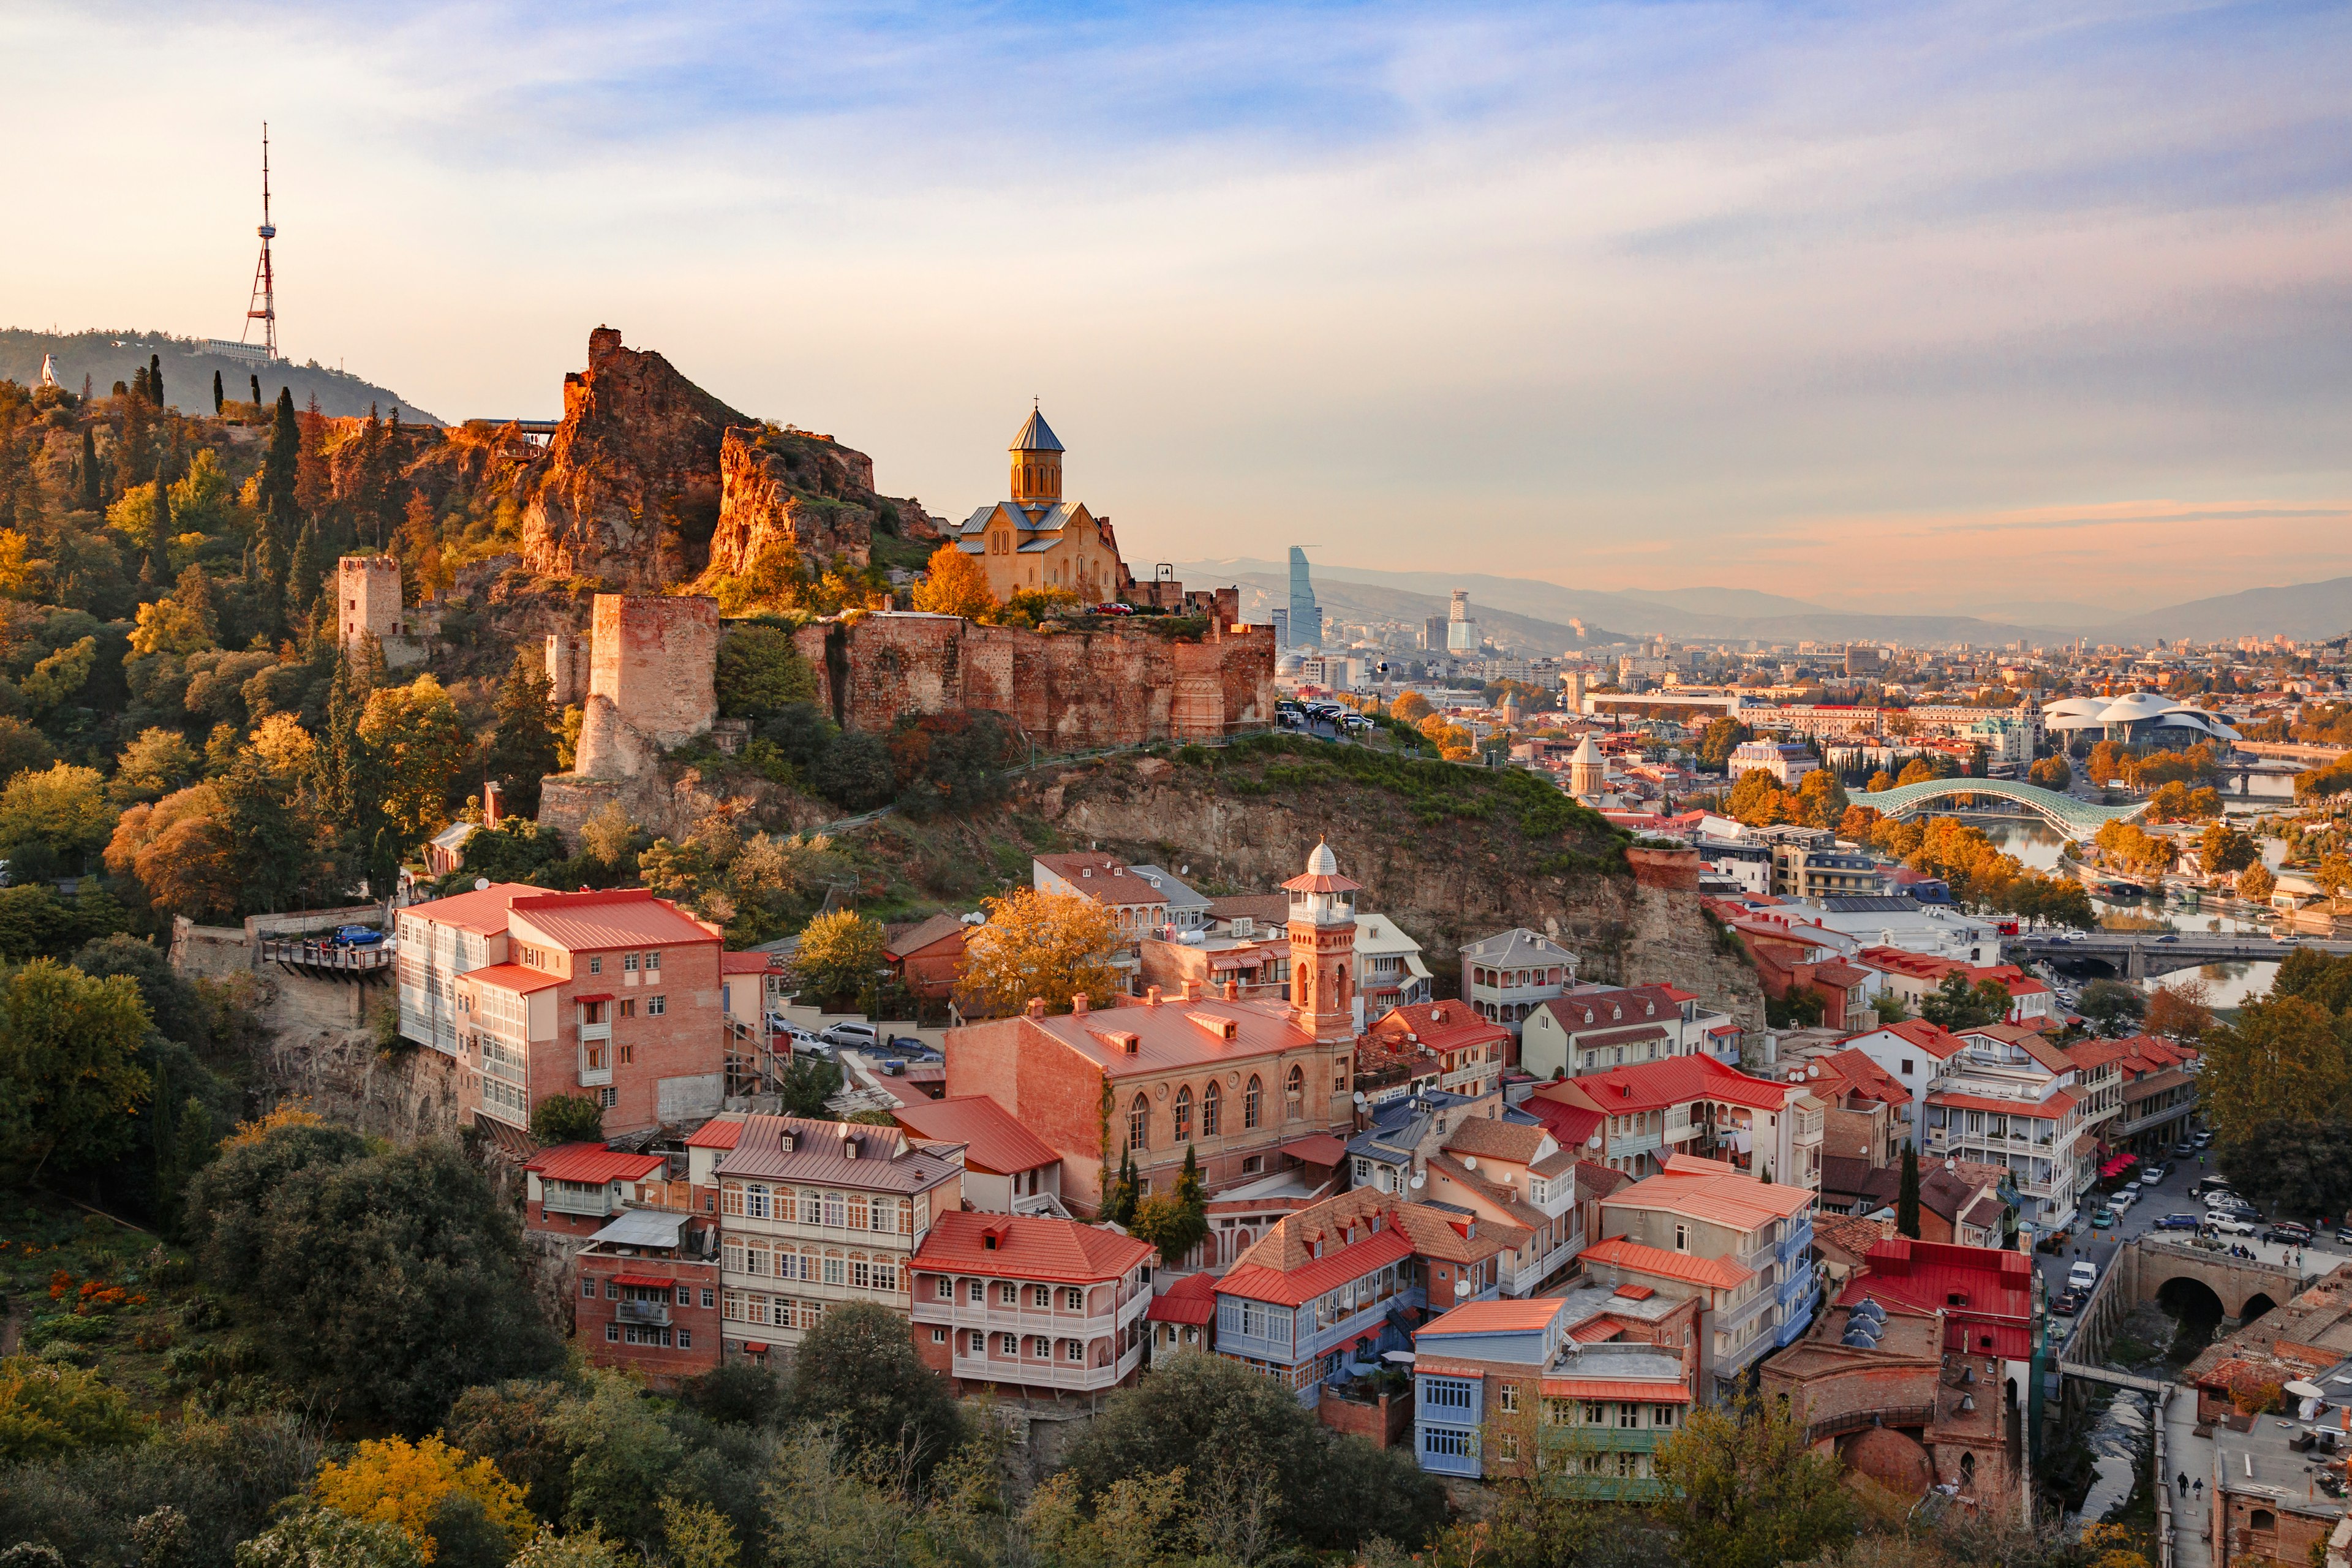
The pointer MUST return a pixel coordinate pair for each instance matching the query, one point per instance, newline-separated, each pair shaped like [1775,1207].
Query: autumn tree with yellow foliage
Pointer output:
[956,586]
[1036,944]
[424,1488]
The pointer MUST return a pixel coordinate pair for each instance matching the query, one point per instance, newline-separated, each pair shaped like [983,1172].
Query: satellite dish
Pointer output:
[481,884]
[1593,1142]
[1359,1097]
[1461,1286]
[1417,1178]
[1469,1162]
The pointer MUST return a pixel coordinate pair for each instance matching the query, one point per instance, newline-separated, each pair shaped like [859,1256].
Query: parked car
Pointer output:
[2288,1232]
[2151,1174]
[2181,1151]
[2344,1234]
[2067,1304]
[2124,1200]
[2102,1219]
[2177,1222]
[2202,1140]
[2082,1276]
[2228,1224]
[856,1037]
[357,936]
[1114,608]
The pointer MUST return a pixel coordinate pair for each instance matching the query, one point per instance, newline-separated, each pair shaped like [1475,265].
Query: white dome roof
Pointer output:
[1322,862]
[2133,708]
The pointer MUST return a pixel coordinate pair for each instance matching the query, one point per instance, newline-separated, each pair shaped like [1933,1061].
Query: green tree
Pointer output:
[2299,1166]
[395,1277]
[567,1119]
[90,495]
[803,1087]
[282,517]
[70,1072]
[760,671]
[1718,742]
[1906,1194]
[2282,1059]
[2053,773]
[321,1538]
[2257,883]
[47,1408]
[522,744]
[1960,1002]
[266,837]
[152,766]
[840,954]
[1231,1431]
[855,772]
[219,398]
[2113,1005]
[63,810]
[610,835]
[856,1371]
[418,748]
[1175,1222]
[1748,1491]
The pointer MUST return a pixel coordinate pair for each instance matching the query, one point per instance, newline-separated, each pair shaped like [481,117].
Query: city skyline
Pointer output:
[1855,309]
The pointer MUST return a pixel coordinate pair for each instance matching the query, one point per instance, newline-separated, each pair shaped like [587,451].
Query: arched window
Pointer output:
[1211,1105]
[1138,1123]
[1184,1114]
[1339,977]
[1293,1089]
[1254,1103]
[2261,1519]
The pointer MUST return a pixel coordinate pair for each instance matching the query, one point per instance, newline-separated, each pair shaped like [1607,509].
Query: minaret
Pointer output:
[1037,463]
[1323,947]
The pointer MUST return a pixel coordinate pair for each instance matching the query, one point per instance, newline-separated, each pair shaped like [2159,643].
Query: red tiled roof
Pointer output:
[1303,1284]
[1842,975]
[993,1139]
[1595,1330]
[621,917]
[1933,1038]
[1491,1138]
[1440,1025]
[1170,1038]
[1110,883]
[1717,1273]
[1570,1124]
[1676,1080]
[1315,1149]
[511,977]
[1583,1009]
[746,962]
[1028,1247]
[593,1162]
[926,933]
[1708,1190]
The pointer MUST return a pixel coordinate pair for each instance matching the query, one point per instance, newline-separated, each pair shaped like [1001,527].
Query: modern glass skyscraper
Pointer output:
[1306,615]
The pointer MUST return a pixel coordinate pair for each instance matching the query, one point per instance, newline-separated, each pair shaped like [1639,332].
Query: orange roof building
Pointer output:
[1007,1168]
[1029,1304]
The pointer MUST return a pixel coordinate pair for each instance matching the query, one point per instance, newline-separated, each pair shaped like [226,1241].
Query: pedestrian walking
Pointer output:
[2200,1488]
[2184,1483]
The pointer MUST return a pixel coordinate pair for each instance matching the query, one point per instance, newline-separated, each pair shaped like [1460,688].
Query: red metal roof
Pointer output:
[1191,1299]
[719,1132]
[1495,1317]
[593,1162]
[1315,1149]
[1028,1247]
[994,1140]
[511,977]
[621,917]
[1716,1273]
[2049,1109]
[1659,1392]
[746,962]
[1440,1025]
[483,911]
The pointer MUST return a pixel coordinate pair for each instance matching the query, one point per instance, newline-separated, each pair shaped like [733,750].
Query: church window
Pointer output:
[1254,1103]
[1184,1115]
[1294,1088]
[1138,1123]
[1212,1102]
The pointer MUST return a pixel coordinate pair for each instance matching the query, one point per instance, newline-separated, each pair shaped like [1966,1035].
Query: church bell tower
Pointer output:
[1323,947]
[1037,463]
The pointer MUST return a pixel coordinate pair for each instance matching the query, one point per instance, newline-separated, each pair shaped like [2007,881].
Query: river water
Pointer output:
[2037,844]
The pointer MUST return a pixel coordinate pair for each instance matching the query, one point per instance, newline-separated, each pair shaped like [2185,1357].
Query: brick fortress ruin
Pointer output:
[367,604]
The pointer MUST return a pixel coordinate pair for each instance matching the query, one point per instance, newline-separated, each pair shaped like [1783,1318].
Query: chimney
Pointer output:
[1078,1005]
[1036,1007]
[491,801]
[1151,995]
[1191,990]
[1233,990]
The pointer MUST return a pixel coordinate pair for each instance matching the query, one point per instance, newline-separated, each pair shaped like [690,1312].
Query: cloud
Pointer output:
[1584,289]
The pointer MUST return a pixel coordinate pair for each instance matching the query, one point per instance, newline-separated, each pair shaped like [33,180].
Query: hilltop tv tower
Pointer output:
[263,307]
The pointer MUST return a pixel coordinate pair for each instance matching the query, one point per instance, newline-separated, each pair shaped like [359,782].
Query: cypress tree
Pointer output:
[155,379]
[1906,1199]
[309,568]
[280,517]
[158,568]
[218,398]
[257,393]
[89,468]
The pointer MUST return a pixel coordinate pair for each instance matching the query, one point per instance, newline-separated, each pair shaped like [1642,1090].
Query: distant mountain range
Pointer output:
[2304,611]
[107,357]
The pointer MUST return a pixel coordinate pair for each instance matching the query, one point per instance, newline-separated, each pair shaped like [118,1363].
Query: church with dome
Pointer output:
[1034,538]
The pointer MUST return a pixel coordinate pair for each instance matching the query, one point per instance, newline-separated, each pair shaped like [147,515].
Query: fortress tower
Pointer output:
[367,599]
[1322,946]
[650,664]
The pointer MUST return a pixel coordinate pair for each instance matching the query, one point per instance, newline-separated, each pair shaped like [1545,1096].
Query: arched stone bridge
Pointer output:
[2147,1269]
[2075,819]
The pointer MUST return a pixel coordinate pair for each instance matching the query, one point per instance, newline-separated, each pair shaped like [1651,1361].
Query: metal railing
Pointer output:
[654,1312]
[1855,1420]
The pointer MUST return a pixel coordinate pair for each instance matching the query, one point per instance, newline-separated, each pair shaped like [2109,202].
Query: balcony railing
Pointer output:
[1028,1320]
[1035,1374]
[654,1312]
[555,1200]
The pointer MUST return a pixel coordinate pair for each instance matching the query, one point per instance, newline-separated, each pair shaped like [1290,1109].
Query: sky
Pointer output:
[1933,307]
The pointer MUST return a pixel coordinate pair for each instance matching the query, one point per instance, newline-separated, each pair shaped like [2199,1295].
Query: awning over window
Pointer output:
[645,1281]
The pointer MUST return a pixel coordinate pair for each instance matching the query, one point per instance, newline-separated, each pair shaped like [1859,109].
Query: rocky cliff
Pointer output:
[798,492]
[628,489]
[1451,854]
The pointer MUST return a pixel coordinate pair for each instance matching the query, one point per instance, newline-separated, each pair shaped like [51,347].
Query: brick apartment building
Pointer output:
[615,995]
[576,1189]
[1232,1080]
[649,1295]
[1025,1304]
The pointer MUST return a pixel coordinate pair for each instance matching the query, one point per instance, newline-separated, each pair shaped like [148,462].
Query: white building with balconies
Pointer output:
[1027,1304]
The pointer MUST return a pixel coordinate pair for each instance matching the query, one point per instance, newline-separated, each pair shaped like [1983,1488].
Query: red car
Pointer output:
[1114,609]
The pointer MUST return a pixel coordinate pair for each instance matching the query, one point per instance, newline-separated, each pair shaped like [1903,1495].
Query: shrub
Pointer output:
[567,1119]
